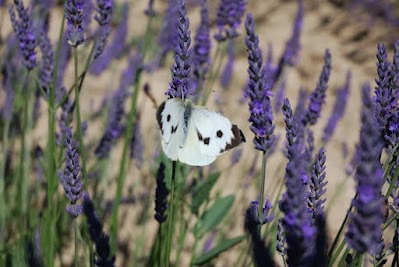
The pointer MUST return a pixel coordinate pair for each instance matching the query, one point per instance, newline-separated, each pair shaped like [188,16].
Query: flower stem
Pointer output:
[171,214]
[76,241]
[262,190]
[131,119]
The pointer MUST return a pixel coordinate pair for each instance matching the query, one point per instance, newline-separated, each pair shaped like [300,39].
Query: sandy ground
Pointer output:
[352,42]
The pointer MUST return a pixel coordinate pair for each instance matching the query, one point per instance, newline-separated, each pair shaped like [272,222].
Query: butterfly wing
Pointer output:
[170,121]
[209,135]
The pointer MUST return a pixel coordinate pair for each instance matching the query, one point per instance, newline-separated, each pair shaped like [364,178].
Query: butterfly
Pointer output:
[193,134]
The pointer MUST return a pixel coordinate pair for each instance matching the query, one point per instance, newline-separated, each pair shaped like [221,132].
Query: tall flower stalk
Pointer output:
[260,105]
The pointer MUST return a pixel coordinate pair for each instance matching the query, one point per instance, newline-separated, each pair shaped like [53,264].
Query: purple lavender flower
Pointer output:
[385,99]
[71,179]
[113,129]
[47,66]
[64,57]
[296,221]
[104,10]
[64,120]
[101,43]
[136,144]
[201,49]
[259,92]
[103,256]
[2,2]
[235,156]
[281,238]
[169,32]
[227,73]
[338,109]
[24,31]
[364,232]
[74,12]
[319,94]
[317,185]
[179,86]
[161,195]
[259,250]
[300,108]
[228,18]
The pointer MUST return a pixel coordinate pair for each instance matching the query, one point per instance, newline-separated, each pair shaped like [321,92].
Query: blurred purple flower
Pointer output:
[296,221]
[64,57]
[161,195]
[364,232]
[319,94]
[338,110]
[103,256]
[104,12]
[179,86]
[259,92]
[169,31]
[74,12]
[25,33]
[71,180]
[47,65]
[64,120]
[117,45]
[201,49]
[235,156]
[260,253]
[227,73]
[2,3]
[102,40]
[278,100]
[386,94]
[317,185]
[300,107]
[115,114]
[228,18]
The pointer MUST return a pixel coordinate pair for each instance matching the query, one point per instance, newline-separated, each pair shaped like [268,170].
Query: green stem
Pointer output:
[122,167]
[78,119]
[3,212]
[75,223]
[171,214]
[334,258]
[262,189]
[343,258]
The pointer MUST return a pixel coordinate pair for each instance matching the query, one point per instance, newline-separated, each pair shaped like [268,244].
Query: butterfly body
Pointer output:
[194,134]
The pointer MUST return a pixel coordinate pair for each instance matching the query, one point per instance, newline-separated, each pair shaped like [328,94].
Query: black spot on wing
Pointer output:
[159,114]
[219,134]
[174,129]
[168,118]
[238,138]
[206,141]
[200,136]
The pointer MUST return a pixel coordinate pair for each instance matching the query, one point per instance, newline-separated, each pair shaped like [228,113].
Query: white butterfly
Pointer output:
[194,134]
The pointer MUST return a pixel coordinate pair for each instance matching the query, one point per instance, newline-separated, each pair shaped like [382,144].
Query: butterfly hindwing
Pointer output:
[215,133]
[170,120]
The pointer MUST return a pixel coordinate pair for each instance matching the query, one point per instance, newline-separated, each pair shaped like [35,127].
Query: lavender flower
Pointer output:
[24,31]
[71,179]
[338,109]
[259,92]
[318,95]
[259,250]
[228,18]
[161,195]
[227,73]
[113,129]
[317,185]
[74,12]
[178,87]
[201,50]
[385,99]
[103,256]
[64,120]
[104,32]
[235,156]
[300,108]
[136,144]
[169,31]
[104,10]
[296,221]
[281,238]
[364,230]
[47,66]
[64,57]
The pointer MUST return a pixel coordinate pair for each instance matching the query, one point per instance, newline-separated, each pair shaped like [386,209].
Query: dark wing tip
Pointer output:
[238,138]
[159,114]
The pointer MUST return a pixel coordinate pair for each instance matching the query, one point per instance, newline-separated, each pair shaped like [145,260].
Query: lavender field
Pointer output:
[108,156]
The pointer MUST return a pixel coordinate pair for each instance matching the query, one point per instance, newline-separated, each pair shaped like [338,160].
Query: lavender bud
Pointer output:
[281,238]
[136,144]
[317,185]
[161,195]
[47,66]
[72,177]
[74,12]
[228,18]
[169,32]
[104,10]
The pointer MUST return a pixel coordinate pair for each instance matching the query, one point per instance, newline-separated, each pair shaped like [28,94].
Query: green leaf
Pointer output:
[212,217]
[201,194]
[221,247]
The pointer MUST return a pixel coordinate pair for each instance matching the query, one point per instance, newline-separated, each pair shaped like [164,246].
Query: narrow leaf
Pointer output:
[201,194]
